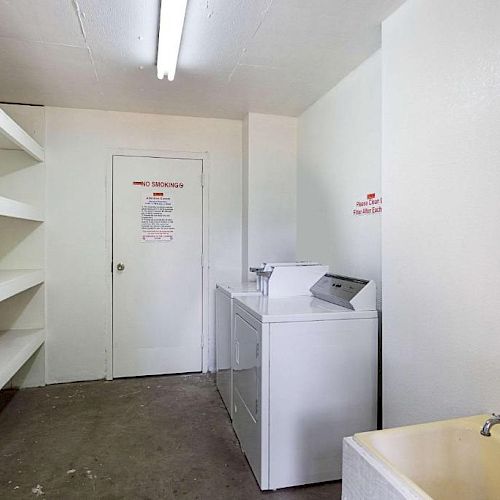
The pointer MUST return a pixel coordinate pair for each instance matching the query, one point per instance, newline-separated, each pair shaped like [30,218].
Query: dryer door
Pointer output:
[246,364]
[246,392]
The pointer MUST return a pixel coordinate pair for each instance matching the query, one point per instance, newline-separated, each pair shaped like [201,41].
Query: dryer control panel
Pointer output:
[352,293]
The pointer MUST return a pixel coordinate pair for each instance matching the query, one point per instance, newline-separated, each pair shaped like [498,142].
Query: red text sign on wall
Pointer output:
[369,206]
[159,184]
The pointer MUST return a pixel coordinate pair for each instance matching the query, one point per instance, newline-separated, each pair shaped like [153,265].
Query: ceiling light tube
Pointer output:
[172,14]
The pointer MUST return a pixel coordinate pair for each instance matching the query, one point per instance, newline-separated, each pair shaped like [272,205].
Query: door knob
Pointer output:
[120,266]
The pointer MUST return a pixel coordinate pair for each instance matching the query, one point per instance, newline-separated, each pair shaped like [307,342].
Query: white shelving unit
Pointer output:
[20,210]
[22,313]
[12,136]
[16,347]
[17,281]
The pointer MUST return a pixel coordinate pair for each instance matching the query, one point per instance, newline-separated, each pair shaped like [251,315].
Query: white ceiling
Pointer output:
[269,56]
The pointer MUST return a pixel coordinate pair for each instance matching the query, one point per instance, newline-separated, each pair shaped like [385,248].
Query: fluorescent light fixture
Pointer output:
[172,14]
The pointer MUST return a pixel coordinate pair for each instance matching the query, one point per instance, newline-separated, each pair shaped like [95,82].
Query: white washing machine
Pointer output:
[304,377]
[224,295]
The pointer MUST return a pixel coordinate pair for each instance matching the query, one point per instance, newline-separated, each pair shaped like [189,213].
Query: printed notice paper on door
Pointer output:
[157,223]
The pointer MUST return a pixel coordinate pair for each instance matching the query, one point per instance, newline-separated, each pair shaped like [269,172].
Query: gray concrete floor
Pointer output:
[145,438]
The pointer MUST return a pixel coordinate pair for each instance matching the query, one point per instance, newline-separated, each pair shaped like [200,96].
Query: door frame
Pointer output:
[166,154]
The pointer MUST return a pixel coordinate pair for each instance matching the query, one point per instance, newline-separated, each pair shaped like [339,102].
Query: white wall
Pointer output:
[338,164]
[441,233]
[77,159]
[269,186]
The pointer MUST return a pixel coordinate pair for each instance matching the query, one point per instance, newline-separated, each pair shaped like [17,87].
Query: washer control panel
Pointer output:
[341,290]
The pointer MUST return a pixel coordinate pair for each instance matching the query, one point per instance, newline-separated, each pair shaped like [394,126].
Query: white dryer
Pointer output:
[287,277]
[304,377]
[224,295]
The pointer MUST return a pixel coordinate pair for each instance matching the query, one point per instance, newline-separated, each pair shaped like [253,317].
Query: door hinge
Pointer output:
[256,407]
[202,179]
[111,266]
[257,351]
[202,260]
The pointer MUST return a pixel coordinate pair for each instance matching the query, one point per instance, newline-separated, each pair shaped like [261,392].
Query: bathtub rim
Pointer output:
[361,442]
[404,486]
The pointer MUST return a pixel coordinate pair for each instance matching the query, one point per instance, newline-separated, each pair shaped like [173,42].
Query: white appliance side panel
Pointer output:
[323,387]
[223,313]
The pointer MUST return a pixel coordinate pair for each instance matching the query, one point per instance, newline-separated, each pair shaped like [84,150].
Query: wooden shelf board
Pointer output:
[16,347]
[14,137]
[17,281]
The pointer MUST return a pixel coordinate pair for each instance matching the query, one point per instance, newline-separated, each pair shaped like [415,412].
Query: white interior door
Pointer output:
[157,265]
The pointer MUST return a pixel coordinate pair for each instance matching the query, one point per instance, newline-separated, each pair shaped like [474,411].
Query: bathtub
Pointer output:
[439,460]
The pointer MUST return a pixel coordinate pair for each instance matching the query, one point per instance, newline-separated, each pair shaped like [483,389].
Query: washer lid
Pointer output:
[235,289]
[299,308]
